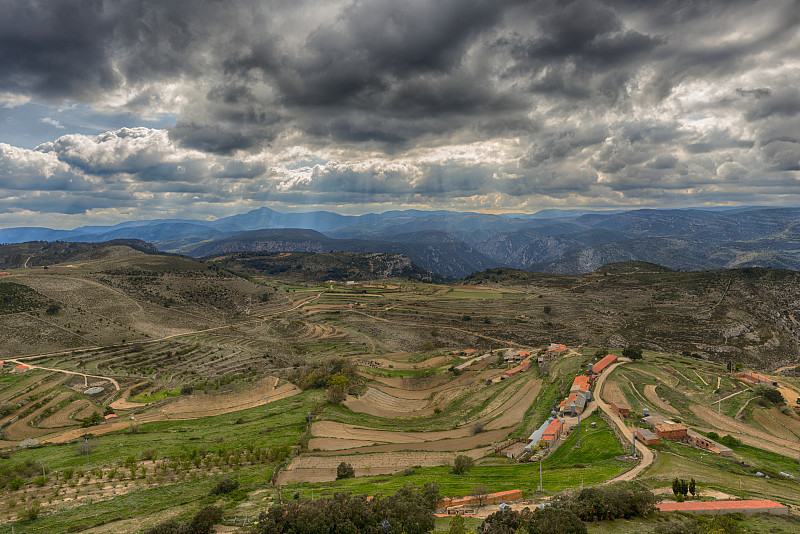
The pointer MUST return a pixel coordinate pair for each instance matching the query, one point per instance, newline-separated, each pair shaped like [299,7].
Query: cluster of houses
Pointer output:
[580,392]
[580,395]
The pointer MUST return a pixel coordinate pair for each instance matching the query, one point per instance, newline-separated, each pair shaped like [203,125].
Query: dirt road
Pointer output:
[84,375]
[646,454]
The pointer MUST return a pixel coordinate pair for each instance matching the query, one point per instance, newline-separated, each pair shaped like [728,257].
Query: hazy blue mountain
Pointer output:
[569,241]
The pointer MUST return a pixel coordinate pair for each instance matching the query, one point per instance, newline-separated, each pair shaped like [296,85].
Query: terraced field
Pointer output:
[198,353]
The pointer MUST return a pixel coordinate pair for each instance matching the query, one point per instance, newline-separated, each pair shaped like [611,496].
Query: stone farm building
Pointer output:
[672,431]
[619,408]
[647,437]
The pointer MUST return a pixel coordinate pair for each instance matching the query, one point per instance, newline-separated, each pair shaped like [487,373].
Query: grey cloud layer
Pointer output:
[611,102]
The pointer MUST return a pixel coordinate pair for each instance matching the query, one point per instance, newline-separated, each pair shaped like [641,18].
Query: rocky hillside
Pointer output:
[339,266]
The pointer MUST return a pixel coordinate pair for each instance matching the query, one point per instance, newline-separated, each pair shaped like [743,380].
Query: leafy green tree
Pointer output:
[226,485]
[457,525]
[770,393]
[692,487]
[462,464]
[633,352]
[345,470]
[554,520]
[505,522]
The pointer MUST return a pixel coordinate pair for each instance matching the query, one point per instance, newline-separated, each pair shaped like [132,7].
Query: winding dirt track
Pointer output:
[426,325]
[84,375]
[646,454]
[195,407]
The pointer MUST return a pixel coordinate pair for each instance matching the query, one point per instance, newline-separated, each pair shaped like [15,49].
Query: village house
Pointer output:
[672,431]
[553,431]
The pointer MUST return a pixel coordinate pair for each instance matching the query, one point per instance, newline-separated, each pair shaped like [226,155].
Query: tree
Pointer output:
[680,488]
[692,487]
[462,464]
[553,520]
[337,388]
[226,485]
[480,491]
[345,470]
[770,393]
[457,526]
[504,522]
[205,519]
[633,352]
[53,309]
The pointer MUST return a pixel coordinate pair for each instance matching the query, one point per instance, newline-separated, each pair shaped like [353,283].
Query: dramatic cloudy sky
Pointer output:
[129,109]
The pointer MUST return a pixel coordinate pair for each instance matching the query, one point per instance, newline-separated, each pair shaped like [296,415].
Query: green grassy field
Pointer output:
[233,431]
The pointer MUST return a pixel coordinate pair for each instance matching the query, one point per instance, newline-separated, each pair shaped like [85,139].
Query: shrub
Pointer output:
[769,393]
[226,485]
[31,512]
[345,470]
[476,428]
[462,464]
[633,352]
[553,520]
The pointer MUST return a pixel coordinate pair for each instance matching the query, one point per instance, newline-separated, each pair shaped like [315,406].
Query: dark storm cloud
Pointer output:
[610,101]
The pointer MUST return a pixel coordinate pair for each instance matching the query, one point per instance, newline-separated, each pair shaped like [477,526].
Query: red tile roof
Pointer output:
[716,505]
[605,362]
[582,382]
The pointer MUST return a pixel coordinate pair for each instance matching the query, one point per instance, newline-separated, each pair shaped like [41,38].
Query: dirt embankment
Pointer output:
[746,433]
[652,395]
[195,407]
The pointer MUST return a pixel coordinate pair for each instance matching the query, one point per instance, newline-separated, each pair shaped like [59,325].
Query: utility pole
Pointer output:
[634,445]
[540,473]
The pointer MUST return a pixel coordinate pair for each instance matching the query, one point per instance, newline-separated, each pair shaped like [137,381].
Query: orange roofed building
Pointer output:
[581,383]
[600,366]
[553,431]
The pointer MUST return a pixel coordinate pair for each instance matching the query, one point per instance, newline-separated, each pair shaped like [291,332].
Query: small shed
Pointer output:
[19,369]
[620,409]
[110,418]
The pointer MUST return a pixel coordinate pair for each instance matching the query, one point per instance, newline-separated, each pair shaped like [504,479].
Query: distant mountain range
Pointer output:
[456,244]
